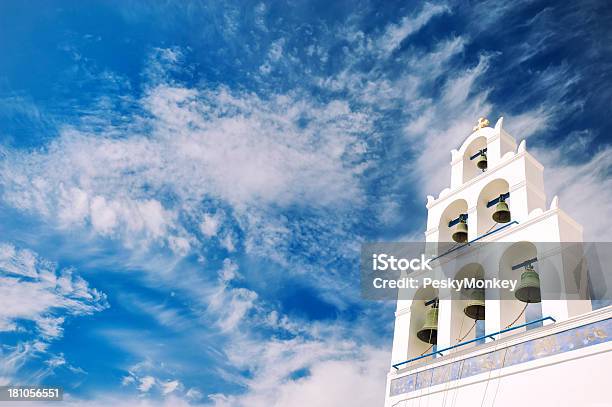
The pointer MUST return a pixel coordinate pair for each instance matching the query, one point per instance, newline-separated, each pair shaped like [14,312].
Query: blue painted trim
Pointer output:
[474,340]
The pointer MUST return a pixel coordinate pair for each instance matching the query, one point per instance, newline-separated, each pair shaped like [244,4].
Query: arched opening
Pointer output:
[470,170]
[418,315]
[492,190]
[452,212]
[463,327]
[514,312]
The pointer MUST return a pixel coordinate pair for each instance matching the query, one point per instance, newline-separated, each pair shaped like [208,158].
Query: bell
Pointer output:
[475,307]
[461,232]
[429,332]
[529,288]
[481,161]
[502,213]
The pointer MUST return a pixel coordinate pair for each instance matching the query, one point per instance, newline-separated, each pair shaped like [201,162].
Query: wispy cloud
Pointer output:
[210,144]
[36,298]
[396,33]
[33,289]
[584,189]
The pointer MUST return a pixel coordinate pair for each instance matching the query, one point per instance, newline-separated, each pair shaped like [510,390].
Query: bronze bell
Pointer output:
[481,161]
[529,288]
[461,232]
[429,332]
[502,212]
[475,307]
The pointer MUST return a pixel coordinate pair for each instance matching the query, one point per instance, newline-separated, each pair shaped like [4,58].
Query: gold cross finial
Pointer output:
[482,122]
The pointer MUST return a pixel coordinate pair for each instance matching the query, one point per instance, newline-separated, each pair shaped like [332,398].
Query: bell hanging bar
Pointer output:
[525,264]
[480,152]
[495,201]
[462,217]
[434,302]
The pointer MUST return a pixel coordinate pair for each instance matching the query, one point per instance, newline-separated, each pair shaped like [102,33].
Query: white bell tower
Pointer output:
[533,232]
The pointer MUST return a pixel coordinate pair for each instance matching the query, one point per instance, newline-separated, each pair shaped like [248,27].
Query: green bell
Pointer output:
[529,288]
[502,213]
[461,232]
[475,307]
[429,332]
[481,161]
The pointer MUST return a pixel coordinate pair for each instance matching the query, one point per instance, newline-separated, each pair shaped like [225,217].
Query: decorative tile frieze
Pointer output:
[565,341]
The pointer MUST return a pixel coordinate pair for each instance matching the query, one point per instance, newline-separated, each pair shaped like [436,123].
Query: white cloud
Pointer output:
[210,225]
[127,380]
[170,386]
[32,289]
[276,50]
[73,206]
[151,380]
[437,126]
[230,305]
[329,370]
[146,383]
[193,394]
[228,243]
[197,144]
[103,215]
[396,33]
[36,298]
[311,365]
[228,272]
[179,245]
[294,368]
[18,262]
[584,189]
[528,123]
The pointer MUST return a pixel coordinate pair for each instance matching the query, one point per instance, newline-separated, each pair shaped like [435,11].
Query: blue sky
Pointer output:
[184,186]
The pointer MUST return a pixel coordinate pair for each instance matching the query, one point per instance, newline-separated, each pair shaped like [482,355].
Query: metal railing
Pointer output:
[396,366]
